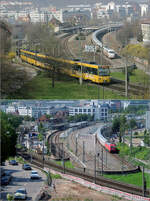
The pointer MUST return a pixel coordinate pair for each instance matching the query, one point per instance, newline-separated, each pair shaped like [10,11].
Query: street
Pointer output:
[21,179]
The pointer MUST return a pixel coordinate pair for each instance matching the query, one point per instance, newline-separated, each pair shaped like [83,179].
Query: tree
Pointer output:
[11,77]
[147,137]
[132,125]
[123,126]
[9,123]
[41,38]
[116,125]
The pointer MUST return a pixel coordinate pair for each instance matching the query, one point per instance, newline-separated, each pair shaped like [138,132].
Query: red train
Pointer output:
[111,147]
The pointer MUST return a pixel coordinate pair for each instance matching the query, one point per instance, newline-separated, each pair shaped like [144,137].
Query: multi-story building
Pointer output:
[11,109]
[145,26]
[148,120]
[100,112]
[25,111]
[144,9]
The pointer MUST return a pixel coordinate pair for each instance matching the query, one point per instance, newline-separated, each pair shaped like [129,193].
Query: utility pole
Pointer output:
[80,79]
[63,159]
[95,143]
[126,79]
[76,152]
[83,156]
[106,159]
[144,183]
[102,161]
[95,168]
[103,90]
[131,141]
[31,151]
[43,150]
[67,140]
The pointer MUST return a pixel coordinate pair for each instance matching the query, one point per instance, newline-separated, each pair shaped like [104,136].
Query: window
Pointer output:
[80,110]
[84,110]
[76,110]
[89,110]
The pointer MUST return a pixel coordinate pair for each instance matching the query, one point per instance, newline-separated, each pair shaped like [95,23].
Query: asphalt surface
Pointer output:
[21,179]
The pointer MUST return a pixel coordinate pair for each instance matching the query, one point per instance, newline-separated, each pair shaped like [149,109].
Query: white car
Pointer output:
[34,175]
[20,194]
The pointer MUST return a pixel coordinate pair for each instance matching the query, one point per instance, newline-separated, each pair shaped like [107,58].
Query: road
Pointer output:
[21,178]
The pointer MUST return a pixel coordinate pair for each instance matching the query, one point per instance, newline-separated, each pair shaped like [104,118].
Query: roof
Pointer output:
[55,22]
[43,118]
[146,21]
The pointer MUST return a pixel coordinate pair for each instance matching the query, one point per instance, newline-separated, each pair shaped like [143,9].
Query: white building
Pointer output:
[144,9]
[145,26]
[100,112]
[148,120]
[10,109]
[25,111]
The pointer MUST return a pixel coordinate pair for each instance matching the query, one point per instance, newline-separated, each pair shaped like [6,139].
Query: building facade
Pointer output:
[148,120]
[100,112]
[145,26]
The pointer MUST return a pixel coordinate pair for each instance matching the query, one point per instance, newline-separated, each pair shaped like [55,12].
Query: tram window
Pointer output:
[77,68]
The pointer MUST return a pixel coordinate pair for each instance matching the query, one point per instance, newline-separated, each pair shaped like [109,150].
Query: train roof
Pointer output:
[90,64]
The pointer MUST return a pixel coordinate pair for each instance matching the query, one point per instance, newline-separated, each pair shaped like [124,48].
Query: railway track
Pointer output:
[117,85]
[89,159]
[99,180]
[67,49]
[57,148]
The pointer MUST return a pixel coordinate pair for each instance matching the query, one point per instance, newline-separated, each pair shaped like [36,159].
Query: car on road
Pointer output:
[34,175]
[20,194]
[26,167]
[13,162]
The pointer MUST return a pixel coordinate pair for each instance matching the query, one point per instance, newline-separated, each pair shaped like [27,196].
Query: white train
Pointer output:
[110,53]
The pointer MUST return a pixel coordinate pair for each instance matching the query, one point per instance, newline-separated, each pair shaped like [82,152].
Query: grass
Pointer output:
[138,76]
[56,176]
[135,179]
[141,153]
[40,87]
[68,164]
[18,159]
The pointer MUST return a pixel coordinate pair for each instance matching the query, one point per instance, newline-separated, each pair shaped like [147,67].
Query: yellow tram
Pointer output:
[74,68]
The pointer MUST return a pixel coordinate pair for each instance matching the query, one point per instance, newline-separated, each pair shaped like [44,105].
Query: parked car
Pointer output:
[34,175]
[13,162]
[3,163]
[26,167]
[20,194]
[5,180]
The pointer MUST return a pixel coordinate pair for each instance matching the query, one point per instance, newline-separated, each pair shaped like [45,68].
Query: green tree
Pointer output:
[147,137]
[123,126]
[9,124]
[116,125]
[132,125]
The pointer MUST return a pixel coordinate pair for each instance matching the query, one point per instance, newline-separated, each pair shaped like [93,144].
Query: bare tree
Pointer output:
[43,39]
[11,78]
